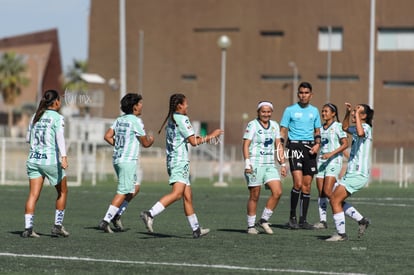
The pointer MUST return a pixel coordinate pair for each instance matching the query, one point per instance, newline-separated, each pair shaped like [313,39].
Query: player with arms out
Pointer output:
[179,132]
[126,134]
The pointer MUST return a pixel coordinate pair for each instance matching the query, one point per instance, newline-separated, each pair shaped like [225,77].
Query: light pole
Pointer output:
[122,49]
[295,80]
[371,55]
[141,62]
[223,42]
[328,65]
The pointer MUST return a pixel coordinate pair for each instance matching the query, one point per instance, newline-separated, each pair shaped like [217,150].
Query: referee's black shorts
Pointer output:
[300,158]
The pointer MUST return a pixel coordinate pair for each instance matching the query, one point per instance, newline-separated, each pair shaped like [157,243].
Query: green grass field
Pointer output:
[387,247]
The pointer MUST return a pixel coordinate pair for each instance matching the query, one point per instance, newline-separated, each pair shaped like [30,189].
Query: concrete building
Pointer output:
[271,40]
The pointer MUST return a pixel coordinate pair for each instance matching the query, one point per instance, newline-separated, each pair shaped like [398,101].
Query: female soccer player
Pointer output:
[46,138]
[260,141]
[358,170]
[179,132]
[126,135]
[333,143]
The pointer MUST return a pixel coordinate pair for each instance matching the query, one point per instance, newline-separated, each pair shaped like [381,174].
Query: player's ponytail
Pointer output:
[370,114]
[175,99]
[47,100]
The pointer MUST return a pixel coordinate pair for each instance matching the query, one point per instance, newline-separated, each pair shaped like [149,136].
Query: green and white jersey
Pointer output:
[176,139]
[330,141]
[127,129]
[360,156]
[262,146]
[42,137]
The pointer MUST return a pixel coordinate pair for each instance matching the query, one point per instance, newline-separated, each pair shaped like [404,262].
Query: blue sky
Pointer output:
[70,17]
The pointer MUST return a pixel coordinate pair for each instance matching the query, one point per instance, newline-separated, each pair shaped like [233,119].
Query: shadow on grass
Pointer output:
[150,235]
[19,233]
[282,226]
[232,230]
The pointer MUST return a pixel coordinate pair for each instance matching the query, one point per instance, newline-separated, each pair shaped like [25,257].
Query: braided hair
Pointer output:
[47,100]
[175,99]
[333,108]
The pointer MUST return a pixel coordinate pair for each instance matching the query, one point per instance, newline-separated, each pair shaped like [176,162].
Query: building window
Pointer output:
[344,78]
[273,77]
[272,33]
[332,36]
[398,84]
[395,39]
[189,77]
[221,29]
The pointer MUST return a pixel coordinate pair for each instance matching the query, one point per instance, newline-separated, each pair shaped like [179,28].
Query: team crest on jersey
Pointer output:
[298,115]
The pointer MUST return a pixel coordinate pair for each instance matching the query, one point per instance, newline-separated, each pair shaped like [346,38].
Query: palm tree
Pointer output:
[75,84]
[12,79]
[73,81]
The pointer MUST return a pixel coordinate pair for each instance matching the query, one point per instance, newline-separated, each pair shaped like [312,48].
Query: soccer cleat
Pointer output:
[306,225]
[148,220]
[59,230]
[199,232]
[363,225]
[104,225]
[337,238]
[266,226]
[293,224]
[29,233]
[320,225]
[252,230]
[116,221]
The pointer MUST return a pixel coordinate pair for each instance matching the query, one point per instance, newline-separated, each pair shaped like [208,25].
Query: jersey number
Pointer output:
[120,141]
[39,137]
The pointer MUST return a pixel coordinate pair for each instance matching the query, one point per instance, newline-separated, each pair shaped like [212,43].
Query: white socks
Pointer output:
[156,209]
[193,221]
[59,215]
[28,220]
[351,212]
[267,213]
[110,213]
[339,219]
[251,220]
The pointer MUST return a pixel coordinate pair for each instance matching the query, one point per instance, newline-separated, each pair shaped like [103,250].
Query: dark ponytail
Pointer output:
[369,112]
[47,100]
[175,99]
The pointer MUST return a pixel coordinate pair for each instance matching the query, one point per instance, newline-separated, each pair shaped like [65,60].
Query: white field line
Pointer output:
[212,266]
[387,201]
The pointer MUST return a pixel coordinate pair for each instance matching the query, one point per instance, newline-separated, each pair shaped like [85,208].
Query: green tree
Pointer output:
[12,76]
[73,80]
[12,79]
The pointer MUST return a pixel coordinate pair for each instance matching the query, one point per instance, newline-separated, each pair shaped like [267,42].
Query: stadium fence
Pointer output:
[92,161]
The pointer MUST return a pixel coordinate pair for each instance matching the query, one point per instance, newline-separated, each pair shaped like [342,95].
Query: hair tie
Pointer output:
[332,107]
